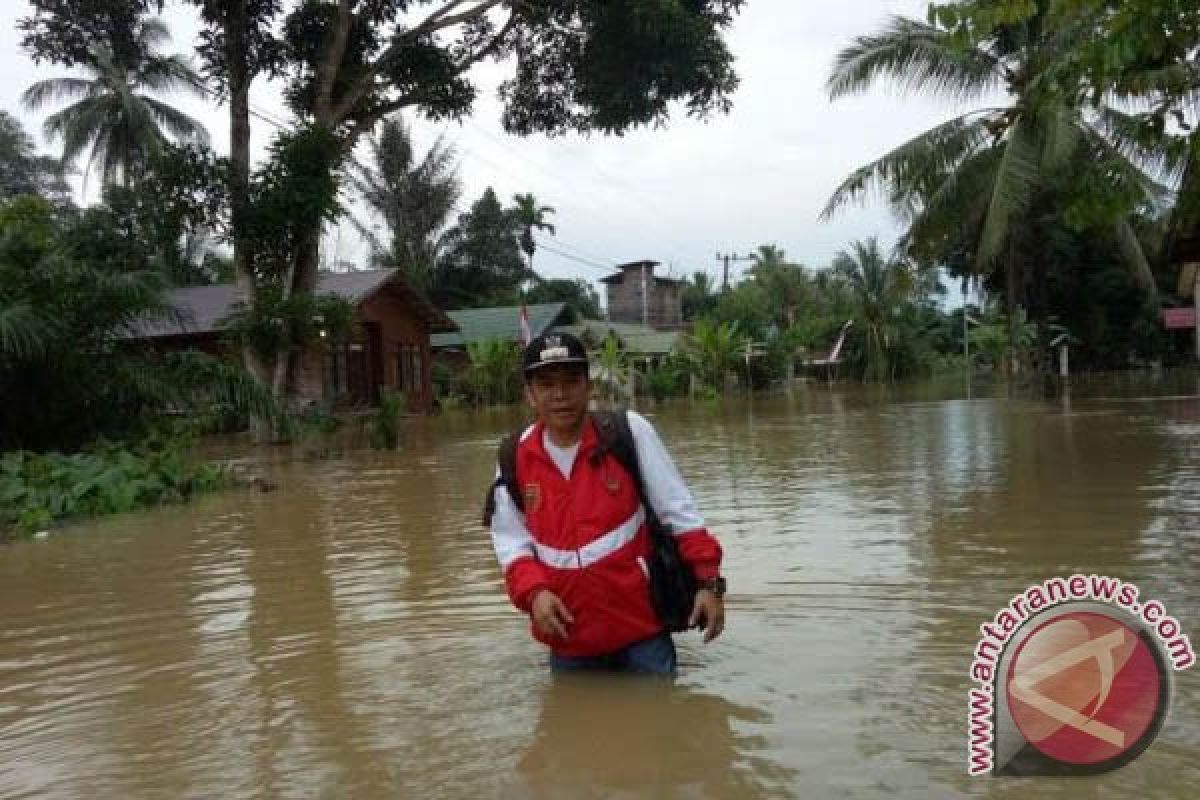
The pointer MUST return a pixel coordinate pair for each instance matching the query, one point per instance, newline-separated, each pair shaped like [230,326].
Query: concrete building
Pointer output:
[638,297]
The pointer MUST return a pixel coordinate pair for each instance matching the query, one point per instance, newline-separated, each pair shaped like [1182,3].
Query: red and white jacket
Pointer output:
[584,537]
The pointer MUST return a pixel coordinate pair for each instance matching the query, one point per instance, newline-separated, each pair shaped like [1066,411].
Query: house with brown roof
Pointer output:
[635,295]
[388,348]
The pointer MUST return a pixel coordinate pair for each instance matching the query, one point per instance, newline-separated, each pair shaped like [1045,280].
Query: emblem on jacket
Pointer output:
[532,492]
[612,484]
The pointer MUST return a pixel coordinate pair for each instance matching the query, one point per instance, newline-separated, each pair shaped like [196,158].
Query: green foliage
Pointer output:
[22,171]
[291,196]
[698,297]
[68,32]
[494,374]
[37,490]
[785,283]
[113,115]
[482,263]
[880,288]
[530,217]
[412,196]
[668,378]
[277,325]
[165,221]
[986,192]
[613,368]
[579,295]
[716,350]
[385,425]
[69,371]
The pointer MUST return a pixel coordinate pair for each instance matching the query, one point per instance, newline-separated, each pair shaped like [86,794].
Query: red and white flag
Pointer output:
[523,324]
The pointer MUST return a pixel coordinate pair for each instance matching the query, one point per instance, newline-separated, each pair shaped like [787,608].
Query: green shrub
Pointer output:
[37,490]
[385,425]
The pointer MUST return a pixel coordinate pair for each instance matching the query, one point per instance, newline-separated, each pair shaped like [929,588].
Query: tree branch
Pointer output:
[438,20]
[367,119]
[330,61]
[490,47]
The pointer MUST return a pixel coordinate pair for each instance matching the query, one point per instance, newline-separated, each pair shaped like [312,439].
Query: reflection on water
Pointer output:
[348,635]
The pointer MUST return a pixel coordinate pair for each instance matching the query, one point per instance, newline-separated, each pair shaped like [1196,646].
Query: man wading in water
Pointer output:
[574,547]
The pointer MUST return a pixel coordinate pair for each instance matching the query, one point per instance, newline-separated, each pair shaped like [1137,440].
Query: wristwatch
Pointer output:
[715,585]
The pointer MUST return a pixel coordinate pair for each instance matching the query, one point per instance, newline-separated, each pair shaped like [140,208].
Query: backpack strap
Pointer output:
[616,437]
[506,458]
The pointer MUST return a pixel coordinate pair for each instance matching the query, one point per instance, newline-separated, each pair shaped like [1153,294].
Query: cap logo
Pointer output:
[554,353]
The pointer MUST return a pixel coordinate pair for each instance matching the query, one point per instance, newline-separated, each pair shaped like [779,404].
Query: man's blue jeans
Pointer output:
[654,656]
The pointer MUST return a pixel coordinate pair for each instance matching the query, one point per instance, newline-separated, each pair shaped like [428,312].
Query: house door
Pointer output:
[357,388]
[374,359]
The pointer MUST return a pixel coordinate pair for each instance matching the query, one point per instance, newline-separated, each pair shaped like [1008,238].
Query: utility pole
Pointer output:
[645,298]
[725,273]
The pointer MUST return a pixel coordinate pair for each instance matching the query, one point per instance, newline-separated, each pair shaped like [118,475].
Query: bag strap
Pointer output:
[616,437]
[506,458]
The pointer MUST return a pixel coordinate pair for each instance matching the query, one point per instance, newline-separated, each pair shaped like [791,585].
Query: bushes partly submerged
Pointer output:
[38,490]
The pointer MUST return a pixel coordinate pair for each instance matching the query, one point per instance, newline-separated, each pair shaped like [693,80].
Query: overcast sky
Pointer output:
[678,195]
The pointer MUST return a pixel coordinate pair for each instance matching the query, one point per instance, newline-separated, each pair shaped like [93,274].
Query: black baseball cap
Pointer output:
[550,349]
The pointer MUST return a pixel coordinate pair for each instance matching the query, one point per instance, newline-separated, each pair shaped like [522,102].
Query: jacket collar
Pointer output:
[588,439]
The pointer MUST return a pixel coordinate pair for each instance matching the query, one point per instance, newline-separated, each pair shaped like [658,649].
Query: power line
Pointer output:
[614,185]
[583,257]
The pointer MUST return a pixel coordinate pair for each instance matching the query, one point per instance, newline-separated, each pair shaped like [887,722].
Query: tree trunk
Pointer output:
[1012,301]
[240,79]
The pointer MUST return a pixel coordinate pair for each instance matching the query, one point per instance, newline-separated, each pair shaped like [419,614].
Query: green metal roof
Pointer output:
[502,323]
[635,339]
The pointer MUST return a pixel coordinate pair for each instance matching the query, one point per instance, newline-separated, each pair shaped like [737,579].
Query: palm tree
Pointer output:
[880,288]
[495,365]
[414,197]
[785,284]
[613,366]
[714,350]
[983,182]
[530,217]
[122,124]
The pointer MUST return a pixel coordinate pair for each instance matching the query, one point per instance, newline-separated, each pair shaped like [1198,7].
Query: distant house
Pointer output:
[642,345]
[637,296]
[389,347]
[502,323]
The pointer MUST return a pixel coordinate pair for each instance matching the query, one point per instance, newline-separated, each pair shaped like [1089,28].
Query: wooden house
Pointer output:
[389,347]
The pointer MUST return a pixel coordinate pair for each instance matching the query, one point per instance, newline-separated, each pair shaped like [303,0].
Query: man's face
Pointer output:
[559,395]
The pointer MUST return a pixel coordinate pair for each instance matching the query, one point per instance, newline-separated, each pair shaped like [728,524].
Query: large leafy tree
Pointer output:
[981,191]
[881,288]
[413,195]
[114,116]
[784,283]
[482,263]
[22,170]
[531,218]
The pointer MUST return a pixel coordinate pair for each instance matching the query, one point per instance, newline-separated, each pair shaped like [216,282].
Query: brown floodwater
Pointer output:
[347,636]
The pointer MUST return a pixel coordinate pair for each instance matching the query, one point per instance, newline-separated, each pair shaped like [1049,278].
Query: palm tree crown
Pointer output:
[123,125]
[414,197]
[979,181]
[880,288]
[530,217]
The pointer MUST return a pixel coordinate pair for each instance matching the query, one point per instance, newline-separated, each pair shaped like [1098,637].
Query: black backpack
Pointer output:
[672,584]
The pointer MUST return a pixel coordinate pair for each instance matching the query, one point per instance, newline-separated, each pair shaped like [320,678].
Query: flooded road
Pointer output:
[348,635]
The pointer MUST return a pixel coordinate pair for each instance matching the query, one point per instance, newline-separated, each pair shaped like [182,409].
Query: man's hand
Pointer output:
[550,614]
[708,611]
